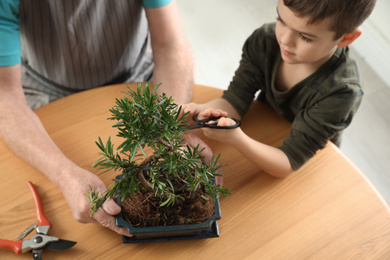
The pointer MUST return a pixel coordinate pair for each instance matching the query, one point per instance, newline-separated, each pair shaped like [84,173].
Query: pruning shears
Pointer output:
[39,241]
[212,122]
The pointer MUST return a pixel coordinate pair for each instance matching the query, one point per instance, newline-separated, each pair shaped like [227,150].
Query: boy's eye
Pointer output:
[303,37]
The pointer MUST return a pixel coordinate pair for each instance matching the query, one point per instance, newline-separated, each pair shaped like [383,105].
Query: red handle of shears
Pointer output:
[16,246]
[43,221]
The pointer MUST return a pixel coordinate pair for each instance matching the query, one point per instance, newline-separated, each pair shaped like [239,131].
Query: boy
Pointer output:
[301,66]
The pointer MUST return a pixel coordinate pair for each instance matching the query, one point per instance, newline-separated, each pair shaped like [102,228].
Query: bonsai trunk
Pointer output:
[140,175]
[147,185]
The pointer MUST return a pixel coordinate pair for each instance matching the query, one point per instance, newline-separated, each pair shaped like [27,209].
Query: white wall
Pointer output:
[217,32]
[374,43]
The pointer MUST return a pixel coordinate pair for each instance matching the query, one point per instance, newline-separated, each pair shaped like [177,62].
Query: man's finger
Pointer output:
[108,221]
[110,207]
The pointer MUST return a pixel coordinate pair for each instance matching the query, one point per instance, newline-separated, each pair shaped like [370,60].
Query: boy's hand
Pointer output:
[212,112]
[193,108]
[227,136]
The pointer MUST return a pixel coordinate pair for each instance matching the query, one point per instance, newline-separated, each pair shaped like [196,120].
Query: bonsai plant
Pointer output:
[164,182]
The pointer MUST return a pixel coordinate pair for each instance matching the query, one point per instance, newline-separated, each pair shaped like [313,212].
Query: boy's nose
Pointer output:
[287,37]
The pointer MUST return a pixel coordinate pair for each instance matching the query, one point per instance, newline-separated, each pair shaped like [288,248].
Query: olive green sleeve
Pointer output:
[249,77]
[325,120]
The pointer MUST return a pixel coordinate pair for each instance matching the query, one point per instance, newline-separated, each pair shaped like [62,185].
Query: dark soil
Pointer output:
[143,210]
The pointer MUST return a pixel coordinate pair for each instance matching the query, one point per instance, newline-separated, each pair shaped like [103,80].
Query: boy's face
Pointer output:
[303,43]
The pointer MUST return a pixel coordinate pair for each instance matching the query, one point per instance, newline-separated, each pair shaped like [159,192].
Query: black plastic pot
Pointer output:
[207,229]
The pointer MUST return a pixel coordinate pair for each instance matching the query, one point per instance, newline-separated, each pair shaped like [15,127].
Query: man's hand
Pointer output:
[78,182]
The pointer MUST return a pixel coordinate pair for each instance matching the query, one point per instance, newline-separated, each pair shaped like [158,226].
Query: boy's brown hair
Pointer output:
[346,14]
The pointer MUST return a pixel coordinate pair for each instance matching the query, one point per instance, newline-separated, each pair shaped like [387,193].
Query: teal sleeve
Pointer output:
[10,47]
[155,3]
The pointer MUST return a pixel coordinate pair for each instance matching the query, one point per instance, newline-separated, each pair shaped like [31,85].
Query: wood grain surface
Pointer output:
[326,210]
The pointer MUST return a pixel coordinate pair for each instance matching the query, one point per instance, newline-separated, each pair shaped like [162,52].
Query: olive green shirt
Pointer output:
[320,107]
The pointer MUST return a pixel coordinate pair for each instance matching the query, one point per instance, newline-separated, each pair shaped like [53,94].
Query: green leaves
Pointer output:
[95,199]
[147,119]
[108,159]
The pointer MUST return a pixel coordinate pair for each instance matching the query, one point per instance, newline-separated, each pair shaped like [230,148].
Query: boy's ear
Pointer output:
[349,38]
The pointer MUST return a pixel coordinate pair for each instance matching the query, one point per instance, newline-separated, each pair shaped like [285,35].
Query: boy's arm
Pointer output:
[268,158]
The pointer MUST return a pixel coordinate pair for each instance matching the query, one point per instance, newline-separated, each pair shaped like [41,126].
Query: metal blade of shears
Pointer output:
[60,245]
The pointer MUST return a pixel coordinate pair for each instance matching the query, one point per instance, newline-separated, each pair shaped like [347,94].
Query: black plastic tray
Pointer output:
[209,233]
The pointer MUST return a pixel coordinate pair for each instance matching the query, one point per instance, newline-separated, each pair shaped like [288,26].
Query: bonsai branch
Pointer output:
[168,146]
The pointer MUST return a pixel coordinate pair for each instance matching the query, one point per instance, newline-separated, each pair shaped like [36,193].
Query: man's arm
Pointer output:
[22,131]
[171,53]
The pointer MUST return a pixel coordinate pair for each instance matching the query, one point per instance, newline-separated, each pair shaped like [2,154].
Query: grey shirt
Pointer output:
[74,45]
[320,107]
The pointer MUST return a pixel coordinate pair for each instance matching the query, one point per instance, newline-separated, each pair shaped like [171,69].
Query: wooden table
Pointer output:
[327,210]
